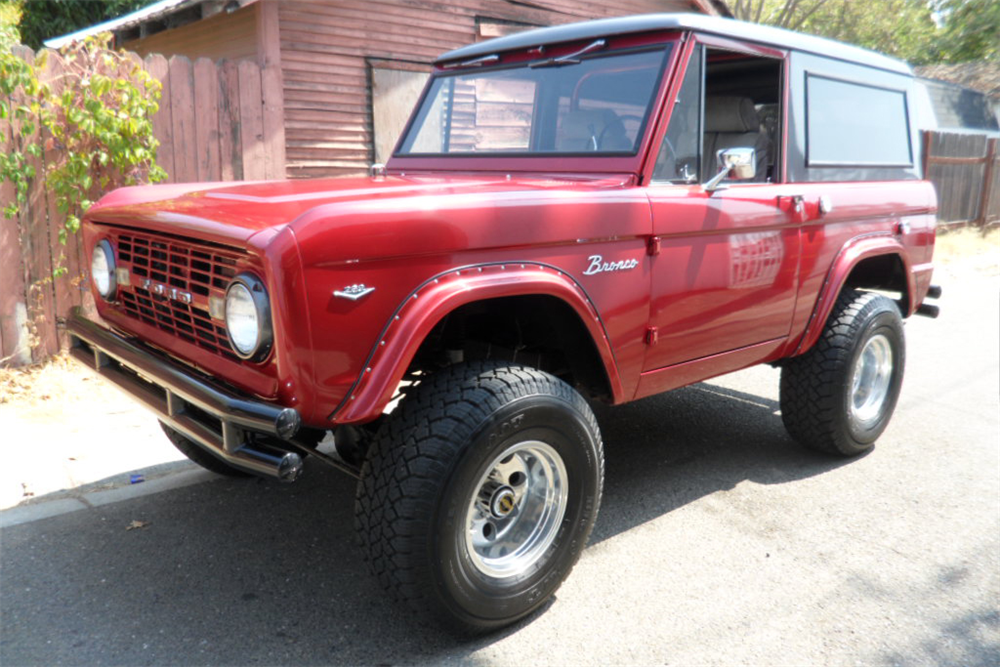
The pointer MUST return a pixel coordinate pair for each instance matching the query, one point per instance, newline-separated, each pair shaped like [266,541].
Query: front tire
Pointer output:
[839,396]
[479,493]
[198,455]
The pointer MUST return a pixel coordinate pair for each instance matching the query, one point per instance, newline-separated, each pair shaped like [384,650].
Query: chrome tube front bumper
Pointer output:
[213,417]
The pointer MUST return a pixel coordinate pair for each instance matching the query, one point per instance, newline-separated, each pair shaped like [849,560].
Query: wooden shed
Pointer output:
[350,69]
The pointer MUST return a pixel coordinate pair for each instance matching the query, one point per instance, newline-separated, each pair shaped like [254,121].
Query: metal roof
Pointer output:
[140,15]
[742,30]
[154,12]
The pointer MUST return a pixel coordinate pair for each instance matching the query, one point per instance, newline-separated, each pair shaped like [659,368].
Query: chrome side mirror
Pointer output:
[739,164]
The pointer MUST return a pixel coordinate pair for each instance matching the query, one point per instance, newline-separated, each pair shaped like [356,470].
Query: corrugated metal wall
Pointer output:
[327,50]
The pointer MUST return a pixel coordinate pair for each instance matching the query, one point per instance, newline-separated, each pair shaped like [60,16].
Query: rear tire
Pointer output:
[200,456]
[839,396]
[479,492]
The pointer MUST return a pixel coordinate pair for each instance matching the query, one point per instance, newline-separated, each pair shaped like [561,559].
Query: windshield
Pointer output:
[599,104]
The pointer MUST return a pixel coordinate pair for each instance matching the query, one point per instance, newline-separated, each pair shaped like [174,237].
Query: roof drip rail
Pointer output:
[570,58]
[475,62]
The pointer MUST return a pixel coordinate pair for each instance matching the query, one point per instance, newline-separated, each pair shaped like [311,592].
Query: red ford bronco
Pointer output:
[590,212]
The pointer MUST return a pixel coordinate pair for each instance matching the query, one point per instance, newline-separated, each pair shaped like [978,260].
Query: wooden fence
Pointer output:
[965,171]
[217,122]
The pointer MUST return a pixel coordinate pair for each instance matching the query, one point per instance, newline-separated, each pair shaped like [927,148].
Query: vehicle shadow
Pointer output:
[668,450]
[240,572]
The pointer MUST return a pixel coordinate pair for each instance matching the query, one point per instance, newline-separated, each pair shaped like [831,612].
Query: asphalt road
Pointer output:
[719,542]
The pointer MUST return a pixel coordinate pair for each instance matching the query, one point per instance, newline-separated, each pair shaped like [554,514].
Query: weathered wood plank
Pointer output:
[182,118]
[251,122]
[274,121]
[268,34]
[993,203]
[370,13]
[159,69]
[15,349]
[386,30]
[343,81]
[225,35]
[230,129]
[206,99]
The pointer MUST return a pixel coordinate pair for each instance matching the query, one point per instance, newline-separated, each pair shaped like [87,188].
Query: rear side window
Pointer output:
[852,124]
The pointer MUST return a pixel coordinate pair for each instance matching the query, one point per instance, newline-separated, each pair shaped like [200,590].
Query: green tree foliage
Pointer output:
[968,30]
[44,19]
[19,107]
[101,126]
[87,121]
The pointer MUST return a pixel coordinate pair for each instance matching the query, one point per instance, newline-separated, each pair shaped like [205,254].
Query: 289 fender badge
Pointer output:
[354,292]
[598,265]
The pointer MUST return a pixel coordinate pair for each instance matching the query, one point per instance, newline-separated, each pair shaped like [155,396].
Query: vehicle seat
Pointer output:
[581,129]
[732,122]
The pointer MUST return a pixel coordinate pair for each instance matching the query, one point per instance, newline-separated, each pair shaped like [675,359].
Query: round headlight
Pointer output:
[102,269]
[248,317]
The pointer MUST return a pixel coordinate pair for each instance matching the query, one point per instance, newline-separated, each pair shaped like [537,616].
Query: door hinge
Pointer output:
[652,334]
[653,246]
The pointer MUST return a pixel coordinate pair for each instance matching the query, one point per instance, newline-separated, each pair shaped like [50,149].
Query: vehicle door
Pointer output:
[724,276]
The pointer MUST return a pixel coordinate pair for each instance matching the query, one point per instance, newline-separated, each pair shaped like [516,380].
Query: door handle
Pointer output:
[796,203]
[825,204]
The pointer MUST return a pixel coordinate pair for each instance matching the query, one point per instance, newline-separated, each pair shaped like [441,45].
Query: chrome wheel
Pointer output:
[871,380]
[516,509]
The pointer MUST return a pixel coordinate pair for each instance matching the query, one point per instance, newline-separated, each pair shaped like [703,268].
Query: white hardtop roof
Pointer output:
[725,27]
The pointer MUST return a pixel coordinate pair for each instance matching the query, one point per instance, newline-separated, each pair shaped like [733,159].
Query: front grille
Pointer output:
[171,280]
[177,263]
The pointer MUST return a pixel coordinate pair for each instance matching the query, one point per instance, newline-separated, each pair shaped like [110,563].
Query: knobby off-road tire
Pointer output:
[200,456]
[479,492]
[839,396]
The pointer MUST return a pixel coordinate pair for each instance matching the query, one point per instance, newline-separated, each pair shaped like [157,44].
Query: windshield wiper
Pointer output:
[570,58]
[475,62]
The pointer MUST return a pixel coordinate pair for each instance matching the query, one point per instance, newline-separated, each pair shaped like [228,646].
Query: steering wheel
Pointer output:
[599,141]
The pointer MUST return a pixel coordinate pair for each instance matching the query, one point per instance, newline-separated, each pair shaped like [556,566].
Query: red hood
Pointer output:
[233,213]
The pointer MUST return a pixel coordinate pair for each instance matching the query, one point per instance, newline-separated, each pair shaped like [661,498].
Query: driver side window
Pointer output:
[727,100]
[679,158]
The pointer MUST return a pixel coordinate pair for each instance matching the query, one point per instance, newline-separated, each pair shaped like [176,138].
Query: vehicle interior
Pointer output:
[735,104]
[598,104]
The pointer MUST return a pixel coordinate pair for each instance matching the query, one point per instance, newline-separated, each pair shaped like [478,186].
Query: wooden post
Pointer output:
[15,349]
[984,201]
[272,88]
[37,253]
[928,141]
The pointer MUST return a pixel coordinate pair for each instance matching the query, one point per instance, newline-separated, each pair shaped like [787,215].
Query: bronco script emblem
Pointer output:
[598,265]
